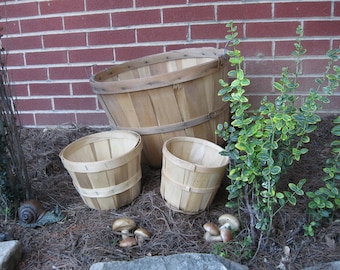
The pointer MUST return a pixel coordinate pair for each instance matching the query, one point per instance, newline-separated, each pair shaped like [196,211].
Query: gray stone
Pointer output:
[326,266]
[10,254]
[192,261]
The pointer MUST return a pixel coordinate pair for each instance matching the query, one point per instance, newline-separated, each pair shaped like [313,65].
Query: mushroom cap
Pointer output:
[123,224]
[128,242]
[143,233]
[226,235]
[233,222]
[211,228]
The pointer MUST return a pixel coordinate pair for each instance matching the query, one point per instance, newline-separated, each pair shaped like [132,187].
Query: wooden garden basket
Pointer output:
[165,95]
[192,171]
[105,168]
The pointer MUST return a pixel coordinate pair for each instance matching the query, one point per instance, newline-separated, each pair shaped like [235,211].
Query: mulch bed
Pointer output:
[85,236]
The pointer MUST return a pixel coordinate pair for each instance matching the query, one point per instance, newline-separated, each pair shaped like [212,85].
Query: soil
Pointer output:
[85,237]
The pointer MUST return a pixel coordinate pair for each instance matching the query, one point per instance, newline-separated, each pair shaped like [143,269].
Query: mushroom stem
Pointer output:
[125,234]
[208,237]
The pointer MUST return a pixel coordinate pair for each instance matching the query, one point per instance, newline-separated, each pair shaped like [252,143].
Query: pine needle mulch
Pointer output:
[85,236]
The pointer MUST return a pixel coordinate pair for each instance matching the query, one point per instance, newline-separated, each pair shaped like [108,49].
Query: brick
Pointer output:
[336,43]
[300,9]
[129,53]
[87,21]
[19,10]
[30,74]
[92,119]
[333,105]
[105,5]
[244,11]
[136,17]
[75,103]
[41,24]
[27,119]
[64,40]
[148,3]
[19,90]
[54,119]
[67,73]
[266,67]
[11,27]
[188,46]
[314,47]
[162,34]
[306,83]
[259,85]
[206,1]
[22,43]
[271,29]
[43,57]
[255,49]
[208,31]
[34,104]
[313,66]
[337,8]
[111,37]
[91,55]
[49,89]
[211,31]
[188,14]
[99,67]
[81,88]
[61,6]
[15,59]
[322,28]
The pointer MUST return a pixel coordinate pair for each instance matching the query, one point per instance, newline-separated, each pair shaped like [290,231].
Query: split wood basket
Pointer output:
[165,95]
[192,171]
[105,168]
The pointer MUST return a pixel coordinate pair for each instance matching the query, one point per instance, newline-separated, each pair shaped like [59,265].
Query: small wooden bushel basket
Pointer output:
[192,171]
[105,168]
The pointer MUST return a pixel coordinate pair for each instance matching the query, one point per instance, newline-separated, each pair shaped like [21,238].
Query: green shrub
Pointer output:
[264,143]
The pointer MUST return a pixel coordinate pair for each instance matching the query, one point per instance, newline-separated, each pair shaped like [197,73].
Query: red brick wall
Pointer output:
[55,46]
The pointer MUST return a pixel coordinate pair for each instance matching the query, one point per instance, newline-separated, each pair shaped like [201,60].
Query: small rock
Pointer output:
[10,254]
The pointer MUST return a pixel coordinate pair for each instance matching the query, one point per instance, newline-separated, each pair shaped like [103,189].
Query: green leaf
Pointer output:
[275,170]
[232,73]
[279,195]
[290,197]
[278,86]
[245,82]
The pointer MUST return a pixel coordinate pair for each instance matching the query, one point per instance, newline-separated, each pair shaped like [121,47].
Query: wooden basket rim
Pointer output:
[160,80]
[95,166]
[189,165]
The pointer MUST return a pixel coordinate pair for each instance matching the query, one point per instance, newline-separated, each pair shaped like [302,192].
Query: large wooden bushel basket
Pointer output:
[105,168]
[192,171]
[165,95]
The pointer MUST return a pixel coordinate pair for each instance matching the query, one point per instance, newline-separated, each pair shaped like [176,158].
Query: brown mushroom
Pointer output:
[211,228]
[141,234]
[226,235]
[128,242]
[229,221]
[123,225]
[212,232]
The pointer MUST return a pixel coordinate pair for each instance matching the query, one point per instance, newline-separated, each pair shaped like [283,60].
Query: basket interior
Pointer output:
[196,152]
[154,69]
[98,150]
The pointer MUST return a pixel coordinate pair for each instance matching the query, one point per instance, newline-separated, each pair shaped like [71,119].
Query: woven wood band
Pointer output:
[187,188]
[109,191]
[177,126]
